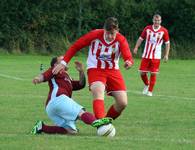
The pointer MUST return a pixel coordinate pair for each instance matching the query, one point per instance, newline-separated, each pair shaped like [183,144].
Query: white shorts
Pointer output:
[63,111]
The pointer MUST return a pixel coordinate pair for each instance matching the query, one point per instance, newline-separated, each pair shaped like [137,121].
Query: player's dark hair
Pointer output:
[111,23]
[53,61]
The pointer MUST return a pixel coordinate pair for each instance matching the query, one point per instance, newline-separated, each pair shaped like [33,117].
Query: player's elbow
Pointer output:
[82,83]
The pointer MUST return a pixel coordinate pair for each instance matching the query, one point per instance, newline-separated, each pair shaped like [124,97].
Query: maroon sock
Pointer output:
[53,129]
[152,82]
[145,78]
[113,113]
[88,118]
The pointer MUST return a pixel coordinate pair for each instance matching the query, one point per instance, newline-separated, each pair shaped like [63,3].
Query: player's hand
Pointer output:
[165,59]
[135,50]
[60,58]
[128,64]
[79,66]
[36,80]
[59,67]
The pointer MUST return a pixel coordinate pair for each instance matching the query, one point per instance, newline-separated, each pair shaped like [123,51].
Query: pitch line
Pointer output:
[80,136]
[74,97]
[13,77]
[168,96]
[129,91]
[23,95]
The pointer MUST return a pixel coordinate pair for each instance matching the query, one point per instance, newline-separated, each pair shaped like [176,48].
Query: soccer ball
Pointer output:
[106,130]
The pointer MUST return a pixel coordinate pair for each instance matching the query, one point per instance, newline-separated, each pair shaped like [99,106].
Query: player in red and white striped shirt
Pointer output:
[105,47]
[154,35]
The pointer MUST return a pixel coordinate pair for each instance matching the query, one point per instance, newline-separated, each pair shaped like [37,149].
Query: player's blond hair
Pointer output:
[157,16]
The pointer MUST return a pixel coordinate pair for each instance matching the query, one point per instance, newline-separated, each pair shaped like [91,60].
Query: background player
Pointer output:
[154,35]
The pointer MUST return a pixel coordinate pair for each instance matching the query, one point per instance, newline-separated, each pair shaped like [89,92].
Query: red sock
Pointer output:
[98,108]
[53,129]
[88,118]
[112,113]
[145,78]
[152,82]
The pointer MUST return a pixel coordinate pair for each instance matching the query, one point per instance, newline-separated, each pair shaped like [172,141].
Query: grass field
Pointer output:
[165,121]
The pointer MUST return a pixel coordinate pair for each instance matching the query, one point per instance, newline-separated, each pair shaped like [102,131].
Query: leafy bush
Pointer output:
[46,27]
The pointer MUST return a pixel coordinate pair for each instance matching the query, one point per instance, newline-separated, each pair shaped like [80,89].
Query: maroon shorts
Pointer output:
[112,79]
[150,65]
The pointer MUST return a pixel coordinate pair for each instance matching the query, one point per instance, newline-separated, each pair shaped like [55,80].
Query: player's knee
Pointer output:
[98,93]
[122,104]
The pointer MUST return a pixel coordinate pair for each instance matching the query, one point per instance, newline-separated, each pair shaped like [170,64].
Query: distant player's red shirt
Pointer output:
[60,84]
[154,40]
[102,54]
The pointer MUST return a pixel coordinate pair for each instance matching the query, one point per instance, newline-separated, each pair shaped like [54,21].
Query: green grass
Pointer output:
[165,121]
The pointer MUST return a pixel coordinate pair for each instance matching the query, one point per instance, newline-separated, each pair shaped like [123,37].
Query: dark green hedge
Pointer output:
[49,26]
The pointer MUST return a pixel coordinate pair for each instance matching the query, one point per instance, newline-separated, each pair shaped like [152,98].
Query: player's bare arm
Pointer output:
[38,79]
[80,68]
[138,43]
[166,56]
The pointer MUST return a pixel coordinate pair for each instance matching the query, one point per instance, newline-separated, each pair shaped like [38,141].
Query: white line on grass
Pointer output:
[181,140]
[23,95]
[13,77]
[168,96]
[172,140]
[135,92]
[129,91]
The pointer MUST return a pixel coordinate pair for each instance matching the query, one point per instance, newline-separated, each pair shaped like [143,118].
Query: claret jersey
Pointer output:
[60,84]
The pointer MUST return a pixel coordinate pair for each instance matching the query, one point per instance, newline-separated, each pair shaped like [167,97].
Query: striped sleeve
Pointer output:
[82,42]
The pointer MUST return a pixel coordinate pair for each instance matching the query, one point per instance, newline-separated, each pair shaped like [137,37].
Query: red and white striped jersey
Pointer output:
[102,54]
[154,39]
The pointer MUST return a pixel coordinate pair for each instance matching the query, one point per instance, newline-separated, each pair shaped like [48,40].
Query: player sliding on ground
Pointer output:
[60,107]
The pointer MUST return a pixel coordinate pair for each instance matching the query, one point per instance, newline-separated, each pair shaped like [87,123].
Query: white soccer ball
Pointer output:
[106,130]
